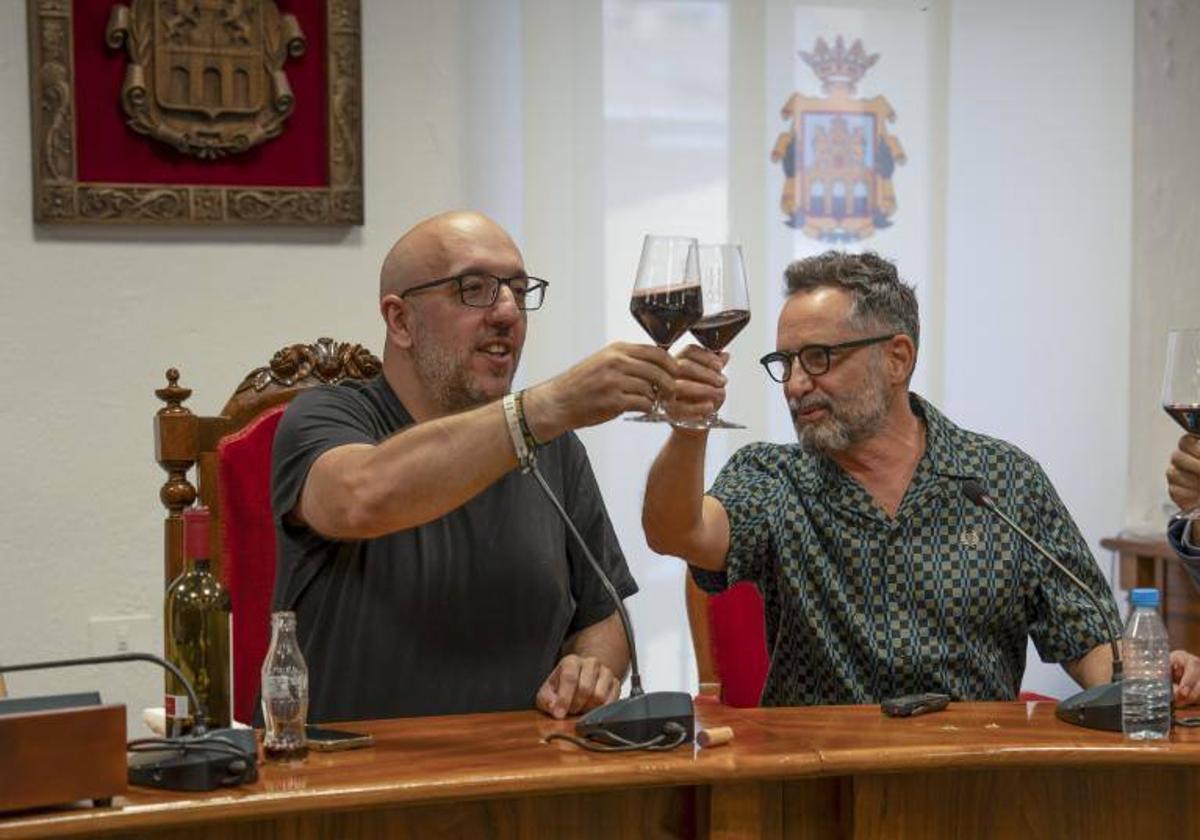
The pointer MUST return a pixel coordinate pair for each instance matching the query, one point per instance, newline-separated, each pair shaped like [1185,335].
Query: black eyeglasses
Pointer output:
[816,359]
[481,290]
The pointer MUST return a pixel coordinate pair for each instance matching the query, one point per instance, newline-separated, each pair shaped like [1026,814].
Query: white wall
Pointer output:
[90,319]
[1038,245]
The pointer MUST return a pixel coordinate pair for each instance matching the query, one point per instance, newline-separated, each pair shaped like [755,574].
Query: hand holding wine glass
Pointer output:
[666,297]
[1181,400]
[726,304]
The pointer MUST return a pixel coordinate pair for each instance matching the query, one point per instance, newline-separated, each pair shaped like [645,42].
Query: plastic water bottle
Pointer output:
[1146,687]
[284,692]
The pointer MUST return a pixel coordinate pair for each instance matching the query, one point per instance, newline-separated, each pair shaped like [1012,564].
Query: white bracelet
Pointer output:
[514,429]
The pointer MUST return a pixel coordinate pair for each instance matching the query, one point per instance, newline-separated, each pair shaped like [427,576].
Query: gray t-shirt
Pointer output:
[466,613]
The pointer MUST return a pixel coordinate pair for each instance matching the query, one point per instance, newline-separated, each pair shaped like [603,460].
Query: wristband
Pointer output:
[514,430]
[531,442]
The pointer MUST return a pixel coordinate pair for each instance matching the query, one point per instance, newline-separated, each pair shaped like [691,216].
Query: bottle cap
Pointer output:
[195,532]
[1144,597]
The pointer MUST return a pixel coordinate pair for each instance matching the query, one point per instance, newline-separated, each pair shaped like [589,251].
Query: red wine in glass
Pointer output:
[666,298]
[1185,415]
[717,330]
[666,314]
[726,312]
[1181,390]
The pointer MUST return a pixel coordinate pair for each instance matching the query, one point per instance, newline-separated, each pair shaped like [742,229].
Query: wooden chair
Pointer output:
[231,453]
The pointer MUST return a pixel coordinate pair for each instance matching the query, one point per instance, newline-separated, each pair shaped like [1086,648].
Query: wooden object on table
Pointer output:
[61,756]
[1150,561]
[977,769]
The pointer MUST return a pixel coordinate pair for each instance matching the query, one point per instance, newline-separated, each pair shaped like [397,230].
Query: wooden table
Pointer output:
[975,770]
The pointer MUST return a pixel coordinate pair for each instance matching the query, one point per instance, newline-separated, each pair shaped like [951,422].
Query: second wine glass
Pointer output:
[726,312]
[666,298]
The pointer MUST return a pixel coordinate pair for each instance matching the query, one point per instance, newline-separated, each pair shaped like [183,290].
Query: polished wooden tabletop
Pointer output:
[425,760]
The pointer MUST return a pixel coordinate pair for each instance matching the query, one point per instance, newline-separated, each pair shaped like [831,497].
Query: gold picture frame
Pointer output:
[62,197]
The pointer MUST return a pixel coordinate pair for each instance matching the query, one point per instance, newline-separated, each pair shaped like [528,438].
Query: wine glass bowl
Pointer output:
[666,298]
[1181,388]
[726,304]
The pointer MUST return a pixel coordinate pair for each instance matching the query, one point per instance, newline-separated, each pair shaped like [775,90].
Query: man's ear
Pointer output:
[398,315]
[901,358]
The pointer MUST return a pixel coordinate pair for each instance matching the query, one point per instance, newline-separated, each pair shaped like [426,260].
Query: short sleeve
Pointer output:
[316,421]
[749,487]
[1064,623]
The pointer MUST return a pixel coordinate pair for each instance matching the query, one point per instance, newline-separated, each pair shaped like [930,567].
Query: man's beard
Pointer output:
[447,376]
[849,421]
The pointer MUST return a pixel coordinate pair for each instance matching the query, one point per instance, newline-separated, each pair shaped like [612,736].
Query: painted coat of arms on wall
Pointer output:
[837,155]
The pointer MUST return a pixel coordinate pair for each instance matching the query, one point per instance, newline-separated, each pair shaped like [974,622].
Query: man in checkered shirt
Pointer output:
[879,578]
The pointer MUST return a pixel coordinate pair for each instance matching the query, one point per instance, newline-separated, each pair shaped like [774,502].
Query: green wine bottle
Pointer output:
[196,616]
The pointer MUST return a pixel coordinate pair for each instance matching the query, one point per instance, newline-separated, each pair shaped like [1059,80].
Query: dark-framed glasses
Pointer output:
[482,290]
[815,359]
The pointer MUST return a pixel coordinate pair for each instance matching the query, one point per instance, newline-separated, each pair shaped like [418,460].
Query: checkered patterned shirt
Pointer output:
[861,607]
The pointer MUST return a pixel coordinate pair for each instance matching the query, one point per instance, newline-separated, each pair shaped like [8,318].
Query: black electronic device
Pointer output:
[332,740]
[656,721]
[219,758]
[911,705]
[1098,707]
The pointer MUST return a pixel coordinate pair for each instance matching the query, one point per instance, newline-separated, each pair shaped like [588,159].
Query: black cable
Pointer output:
[198,727]
[635,676]
[186,745]
[623,745]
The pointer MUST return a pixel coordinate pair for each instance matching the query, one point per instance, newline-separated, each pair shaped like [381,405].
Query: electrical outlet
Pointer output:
[109,634]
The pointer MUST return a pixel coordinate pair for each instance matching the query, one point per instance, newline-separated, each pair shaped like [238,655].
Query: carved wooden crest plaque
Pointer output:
[206,76]
[196,111]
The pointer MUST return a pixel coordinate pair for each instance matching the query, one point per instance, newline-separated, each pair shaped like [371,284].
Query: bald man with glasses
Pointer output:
[428,575]
[879,578]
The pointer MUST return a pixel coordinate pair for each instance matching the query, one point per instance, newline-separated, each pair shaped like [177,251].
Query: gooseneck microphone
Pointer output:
[660,720]
[197,730]
[1098,707]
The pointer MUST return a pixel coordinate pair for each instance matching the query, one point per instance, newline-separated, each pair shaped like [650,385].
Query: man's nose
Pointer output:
[798,383]
[504,308]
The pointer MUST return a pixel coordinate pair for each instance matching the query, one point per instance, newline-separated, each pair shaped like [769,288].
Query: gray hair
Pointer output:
[881,298]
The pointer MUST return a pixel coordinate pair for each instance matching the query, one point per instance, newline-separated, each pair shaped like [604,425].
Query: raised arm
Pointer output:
[676,515]
[359,491]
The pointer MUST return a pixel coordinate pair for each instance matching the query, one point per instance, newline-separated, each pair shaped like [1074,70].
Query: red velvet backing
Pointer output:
[248,550]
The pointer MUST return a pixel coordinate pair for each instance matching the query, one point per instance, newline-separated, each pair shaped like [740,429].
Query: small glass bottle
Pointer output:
[284,692]
[196,617]
[1146,686]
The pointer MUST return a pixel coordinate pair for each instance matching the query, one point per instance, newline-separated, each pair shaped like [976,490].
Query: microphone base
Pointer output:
[1099,707]
[194,768]
[640,719]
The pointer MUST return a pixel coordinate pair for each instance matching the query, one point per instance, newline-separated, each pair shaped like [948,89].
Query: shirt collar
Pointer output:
[949,453]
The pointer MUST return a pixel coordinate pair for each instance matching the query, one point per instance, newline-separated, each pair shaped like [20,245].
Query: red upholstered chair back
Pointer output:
[248,546]
[231,456]
[730,642]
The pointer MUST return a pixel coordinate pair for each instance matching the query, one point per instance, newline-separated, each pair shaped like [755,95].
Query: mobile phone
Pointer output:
[329,740]
[911,705]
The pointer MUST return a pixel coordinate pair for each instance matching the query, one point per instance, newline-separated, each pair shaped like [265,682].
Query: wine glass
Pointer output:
[666,298]
[1181,389]
[726,311]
